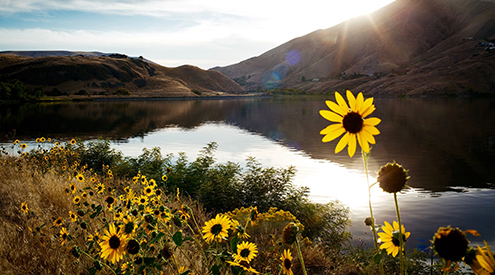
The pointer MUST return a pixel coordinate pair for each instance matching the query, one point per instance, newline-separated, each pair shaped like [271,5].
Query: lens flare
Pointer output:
[293,57]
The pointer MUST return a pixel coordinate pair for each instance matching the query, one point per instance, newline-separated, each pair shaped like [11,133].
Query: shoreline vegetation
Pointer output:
[15,91]
[62,199]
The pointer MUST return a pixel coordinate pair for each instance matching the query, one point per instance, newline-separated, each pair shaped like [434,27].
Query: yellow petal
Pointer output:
[351,149]
[341,101]
[363,143]
[331,128]
[333,135]
[372,130]
[396,226]
[372,121]
[352,100]
[367,136]
[336,108]
[359,102]
[367,108]
[388,227]
[342,143]
[395,252]
[329,115]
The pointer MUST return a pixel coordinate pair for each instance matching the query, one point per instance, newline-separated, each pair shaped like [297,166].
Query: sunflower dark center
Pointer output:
[216,229]
[133,247]
[110,200]
[64,236]
[114,242]
[245,252]
[148,190]
[287,264]
[353,122]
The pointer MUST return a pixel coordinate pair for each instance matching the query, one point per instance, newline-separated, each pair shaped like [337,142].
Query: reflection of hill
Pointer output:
[442,141]
[115,120]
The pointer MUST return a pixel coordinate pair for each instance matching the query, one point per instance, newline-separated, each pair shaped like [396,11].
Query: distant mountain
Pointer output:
[96,73]
[409,47]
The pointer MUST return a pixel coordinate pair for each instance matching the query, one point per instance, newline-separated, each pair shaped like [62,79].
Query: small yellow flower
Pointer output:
[24,207]
[485,258]
[246,251]
[76,199]
[245,265]
[390,238]
[23,146]
[63,235]
[216,229]
[73,216]
[287,262]
[113,246]
[58,222]
[73,141]
[351,121]
[80,177]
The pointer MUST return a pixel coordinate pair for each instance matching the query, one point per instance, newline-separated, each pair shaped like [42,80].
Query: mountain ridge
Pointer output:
[406,48]
[95,73]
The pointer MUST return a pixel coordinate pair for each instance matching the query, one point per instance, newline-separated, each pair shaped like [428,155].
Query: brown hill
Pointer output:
[106,74]
[406,48]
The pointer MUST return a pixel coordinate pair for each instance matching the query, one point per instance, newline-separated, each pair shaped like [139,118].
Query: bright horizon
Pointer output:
[169,32]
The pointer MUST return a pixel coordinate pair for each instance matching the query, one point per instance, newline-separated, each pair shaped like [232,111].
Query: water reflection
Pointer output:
[444,142]
[448,144]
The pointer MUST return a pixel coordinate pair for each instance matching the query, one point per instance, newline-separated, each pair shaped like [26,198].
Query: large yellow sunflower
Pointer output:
[113,246]
[287,262]
[390,238]
[351,121]
[246,251]
[217,228]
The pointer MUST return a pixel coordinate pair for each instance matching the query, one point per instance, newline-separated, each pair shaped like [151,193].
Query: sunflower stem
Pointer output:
[401,239]
[365,161]
[300,257]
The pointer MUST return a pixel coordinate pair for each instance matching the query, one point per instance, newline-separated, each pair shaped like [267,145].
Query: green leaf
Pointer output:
[216,269]
[177,237]
[148,260]
[158,237]
[233,244]
[92,271]
[378,257]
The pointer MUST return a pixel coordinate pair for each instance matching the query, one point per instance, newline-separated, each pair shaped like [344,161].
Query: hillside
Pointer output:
[103,75]
[425,47]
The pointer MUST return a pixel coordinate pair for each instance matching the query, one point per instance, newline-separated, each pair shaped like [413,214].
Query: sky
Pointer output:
[203,33]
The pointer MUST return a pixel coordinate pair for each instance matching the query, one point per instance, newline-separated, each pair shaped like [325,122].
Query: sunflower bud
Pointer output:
[450,244]
[368,221]
[98,265]
[76,252]
[165,252]
[290,233]
[132,247]
[392,177]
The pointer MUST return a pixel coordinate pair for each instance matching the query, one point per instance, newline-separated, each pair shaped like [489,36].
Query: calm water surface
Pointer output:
[447,144]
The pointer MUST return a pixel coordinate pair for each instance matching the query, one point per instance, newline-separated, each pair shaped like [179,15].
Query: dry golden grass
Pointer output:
[24,250]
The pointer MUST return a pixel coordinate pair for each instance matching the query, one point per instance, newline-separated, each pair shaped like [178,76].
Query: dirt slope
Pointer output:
[406,48]
[105,74]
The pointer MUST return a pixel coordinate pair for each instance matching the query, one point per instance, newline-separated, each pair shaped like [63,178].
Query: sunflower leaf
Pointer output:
[158,237]
[177,237]
[216,269]
[233,244]
[377,258]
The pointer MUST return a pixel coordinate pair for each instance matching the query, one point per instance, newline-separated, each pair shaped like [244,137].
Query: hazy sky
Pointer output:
[204,33]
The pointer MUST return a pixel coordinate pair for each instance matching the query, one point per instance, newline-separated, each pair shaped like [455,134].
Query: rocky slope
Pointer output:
[103,75]
[410,47]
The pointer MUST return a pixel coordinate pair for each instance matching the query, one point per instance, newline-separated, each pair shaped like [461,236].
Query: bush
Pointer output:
[122,91]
